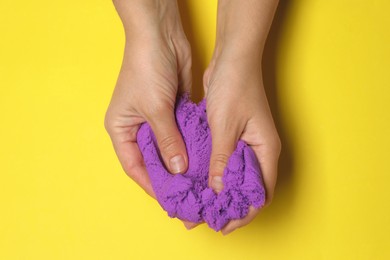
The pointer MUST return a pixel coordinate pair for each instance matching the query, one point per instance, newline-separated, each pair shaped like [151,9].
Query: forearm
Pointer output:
[148,18]
[243,26]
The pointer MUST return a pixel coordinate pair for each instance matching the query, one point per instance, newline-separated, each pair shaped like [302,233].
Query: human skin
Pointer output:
[237,106]
[157,66]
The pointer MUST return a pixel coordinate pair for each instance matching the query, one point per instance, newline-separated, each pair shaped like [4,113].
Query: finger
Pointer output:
[190,225]
[224,141]
[237,223]
[170,142]
[131,158]
[268,157]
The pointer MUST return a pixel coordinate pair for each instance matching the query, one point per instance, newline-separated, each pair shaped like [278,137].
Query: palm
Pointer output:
[151,76]
[237,108]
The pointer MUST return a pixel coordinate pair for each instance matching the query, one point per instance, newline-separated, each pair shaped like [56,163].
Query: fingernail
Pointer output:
[217,183]
[177,164]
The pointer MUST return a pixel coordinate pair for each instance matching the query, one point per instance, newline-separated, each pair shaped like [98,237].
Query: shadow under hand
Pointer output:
[283,200]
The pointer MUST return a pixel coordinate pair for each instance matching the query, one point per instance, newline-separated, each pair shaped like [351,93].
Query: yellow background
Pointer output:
[63,194]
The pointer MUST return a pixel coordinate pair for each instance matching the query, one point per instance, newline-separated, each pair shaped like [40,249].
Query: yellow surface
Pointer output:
[63,194]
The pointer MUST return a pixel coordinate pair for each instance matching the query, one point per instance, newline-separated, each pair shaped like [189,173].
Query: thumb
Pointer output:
[223,144]
[170,142]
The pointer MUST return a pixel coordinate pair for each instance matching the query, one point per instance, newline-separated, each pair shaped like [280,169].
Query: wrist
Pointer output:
[243,26]
[237,51]
[149,19]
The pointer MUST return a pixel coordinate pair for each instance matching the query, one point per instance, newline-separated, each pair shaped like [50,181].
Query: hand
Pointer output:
[156,66]
[237,106]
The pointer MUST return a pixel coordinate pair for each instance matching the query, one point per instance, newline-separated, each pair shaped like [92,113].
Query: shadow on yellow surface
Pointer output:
[199,64]
[284,193]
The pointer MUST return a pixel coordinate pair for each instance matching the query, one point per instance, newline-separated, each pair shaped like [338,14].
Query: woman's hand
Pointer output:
[237,106]
[156,66]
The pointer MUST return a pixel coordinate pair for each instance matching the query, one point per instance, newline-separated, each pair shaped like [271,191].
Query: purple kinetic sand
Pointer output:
[187,196]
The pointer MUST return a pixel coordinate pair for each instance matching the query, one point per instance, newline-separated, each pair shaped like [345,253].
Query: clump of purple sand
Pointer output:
[187,196]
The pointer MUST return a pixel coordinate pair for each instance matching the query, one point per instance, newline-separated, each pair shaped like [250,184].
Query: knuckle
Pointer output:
[168,144]
[108,123]
[276,145]
[219,162]
[158,109]
[130,166]
[129,173]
